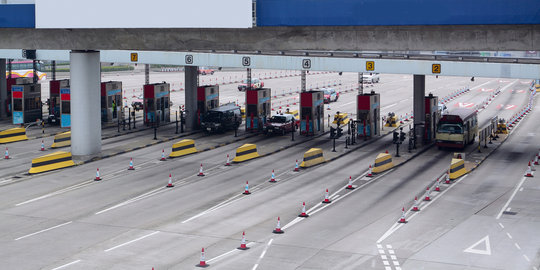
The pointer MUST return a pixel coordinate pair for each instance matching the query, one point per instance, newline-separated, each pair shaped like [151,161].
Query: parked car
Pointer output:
[370,78]
[223,118]
[330,95]
[137,104]
[255,84]
[280,124]
[206,70]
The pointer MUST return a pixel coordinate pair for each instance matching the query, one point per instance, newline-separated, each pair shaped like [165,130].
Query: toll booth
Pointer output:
[433,115]
[156,102]
[258,108]
[10,82]
[311,112]
[26,101]
[207,99]
[368,115]
[111,101]
[60,103]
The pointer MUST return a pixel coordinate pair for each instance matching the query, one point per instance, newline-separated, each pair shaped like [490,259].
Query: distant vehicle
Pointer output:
[137,104]
[25,69]
[222,118]
[206,70]
[330,95]
[442,108]
[370,78]
[255,84]
[457,128]
[280,124]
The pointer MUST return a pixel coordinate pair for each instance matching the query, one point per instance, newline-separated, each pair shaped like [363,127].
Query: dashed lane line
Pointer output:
[66,265]
[511,198]
[42,231]
[132,241]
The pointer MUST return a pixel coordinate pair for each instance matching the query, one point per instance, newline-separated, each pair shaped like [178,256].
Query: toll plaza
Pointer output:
[10,82]
[111,101]
[258,108]
[311,112]
[368,118]
[60,102]
[156,102]
[207,99]
[433,115]
[26,101]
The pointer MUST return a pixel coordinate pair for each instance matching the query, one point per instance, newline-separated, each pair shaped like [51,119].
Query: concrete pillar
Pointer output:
[85,103]
[146,74]
[419,83]
[191,83]
[3,89]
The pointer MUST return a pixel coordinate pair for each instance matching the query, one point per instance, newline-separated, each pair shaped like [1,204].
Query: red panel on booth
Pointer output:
[305,100]
[364,103]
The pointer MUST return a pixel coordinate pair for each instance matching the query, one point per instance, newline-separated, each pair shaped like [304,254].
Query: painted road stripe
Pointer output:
[74,187]
[511,198]
[228,253]
[509,236]
[517,246]
[132,241]
[51,228]
[66,265]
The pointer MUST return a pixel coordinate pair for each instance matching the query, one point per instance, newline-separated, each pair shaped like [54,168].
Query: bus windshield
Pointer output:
[450,128]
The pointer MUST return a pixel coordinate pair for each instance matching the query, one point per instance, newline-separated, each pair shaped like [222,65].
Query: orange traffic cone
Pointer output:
[131,165]
[42,146]
[326,199]
[350,186]
[415,205]
[303,214]
[170,184]
[162,155]
[402,219]
[246,189]
[228,161]
[528,173]
[426,197]
[278,227]
[369,173]
[243,242]
[295,166]
[200,171]
[202,263]
[273,178]
[97,175]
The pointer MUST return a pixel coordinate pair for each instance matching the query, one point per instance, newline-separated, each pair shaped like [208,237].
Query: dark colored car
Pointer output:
[280,124]
[222,118]
[255,84]
[137,104]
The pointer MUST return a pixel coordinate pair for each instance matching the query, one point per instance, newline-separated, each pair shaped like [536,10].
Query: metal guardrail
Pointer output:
[488,133]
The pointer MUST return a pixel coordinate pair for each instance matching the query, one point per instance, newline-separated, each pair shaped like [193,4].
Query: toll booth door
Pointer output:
[162,108]
[375,122]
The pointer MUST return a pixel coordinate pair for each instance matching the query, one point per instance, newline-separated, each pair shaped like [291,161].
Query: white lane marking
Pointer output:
[388,246]
[508,209]
[485,251]
[511,198]
[262,254]
[521,189]
[500,224]
[379,246]
[517,246]
[215,207]
[58,192]
[381,251]
[228,253]
[138,198]
[384,257]
[396,226]
[66,265]
[387,267]
[393,257]
[5,181]
[398,268]
[509,236]
[526,258]
[388,106]
[341,105]
[132,241]
[396,263]
[391,251]
[270,242]
[51,228]
[255,266]
[386,263]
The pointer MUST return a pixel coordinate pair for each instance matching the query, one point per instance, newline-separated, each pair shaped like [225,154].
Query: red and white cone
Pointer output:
[97,175]
[415,205]
[243,242]
[278,227]
[402,219]
[170,184]
[131,168]
[246,189]
[303,214]
[528,173]
[42,146]
[536,159]
[228,161]
[202,262]
[162,155]
[350,186]
[326,198]
[438,185]
[200,171]
[295,166]
[369,173]
[6,155]
[273,178]
[426,197]
[447,178]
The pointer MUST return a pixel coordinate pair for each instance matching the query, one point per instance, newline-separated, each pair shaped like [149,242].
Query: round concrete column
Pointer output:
[85,103]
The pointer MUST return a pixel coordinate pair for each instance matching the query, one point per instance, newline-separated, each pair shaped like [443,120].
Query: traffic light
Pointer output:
[396,137]
[402,136]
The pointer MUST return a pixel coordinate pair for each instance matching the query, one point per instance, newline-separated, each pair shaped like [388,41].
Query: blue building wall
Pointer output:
[17,16]
[396,12]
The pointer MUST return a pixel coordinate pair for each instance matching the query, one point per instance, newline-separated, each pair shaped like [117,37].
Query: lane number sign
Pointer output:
[246,61]
[134,57]
[370,65]
[189,59]
[436,68]
[306,63]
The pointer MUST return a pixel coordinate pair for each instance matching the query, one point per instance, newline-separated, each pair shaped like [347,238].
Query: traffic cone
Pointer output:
[326,199]
[415,205]
[369,173]
[131,164]
[202,263]
[350,186]
[529,171]
[162,155]
[6,156]
[438,185]
[42,146]
[303,214]
[295,166]
[328,108]
[228,161]
[447,180]
[402,219]
[278,227]
[273,178]
[243,242]
[200,171]
[97,175]
[246,190]
[536,159]
[426,197]
[170,184]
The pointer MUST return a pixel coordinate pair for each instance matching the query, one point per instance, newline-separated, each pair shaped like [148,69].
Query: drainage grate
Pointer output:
[510,213]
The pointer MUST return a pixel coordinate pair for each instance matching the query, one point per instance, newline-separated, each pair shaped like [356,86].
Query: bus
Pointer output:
[25,69]
[457,128]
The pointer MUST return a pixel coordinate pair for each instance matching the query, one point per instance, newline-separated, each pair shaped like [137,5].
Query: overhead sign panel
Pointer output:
[144,14]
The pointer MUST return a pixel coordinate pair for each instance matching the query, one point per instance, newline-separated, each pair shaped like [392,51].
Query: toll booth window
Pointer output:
[167,104]
[251,109]
[109,102]
[66,107]
[150,104]
[17,104]
[31,103]
[306,112]
[103,102]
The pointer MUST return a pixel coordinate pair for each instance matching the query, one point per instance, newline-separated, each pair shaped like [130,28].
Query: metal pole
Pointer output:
[147,74]
[53,70]
[155,127]
[360,83]
[129,118]
[397,149]
[176,115]
[334,147]
[181,122]
[293,129]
